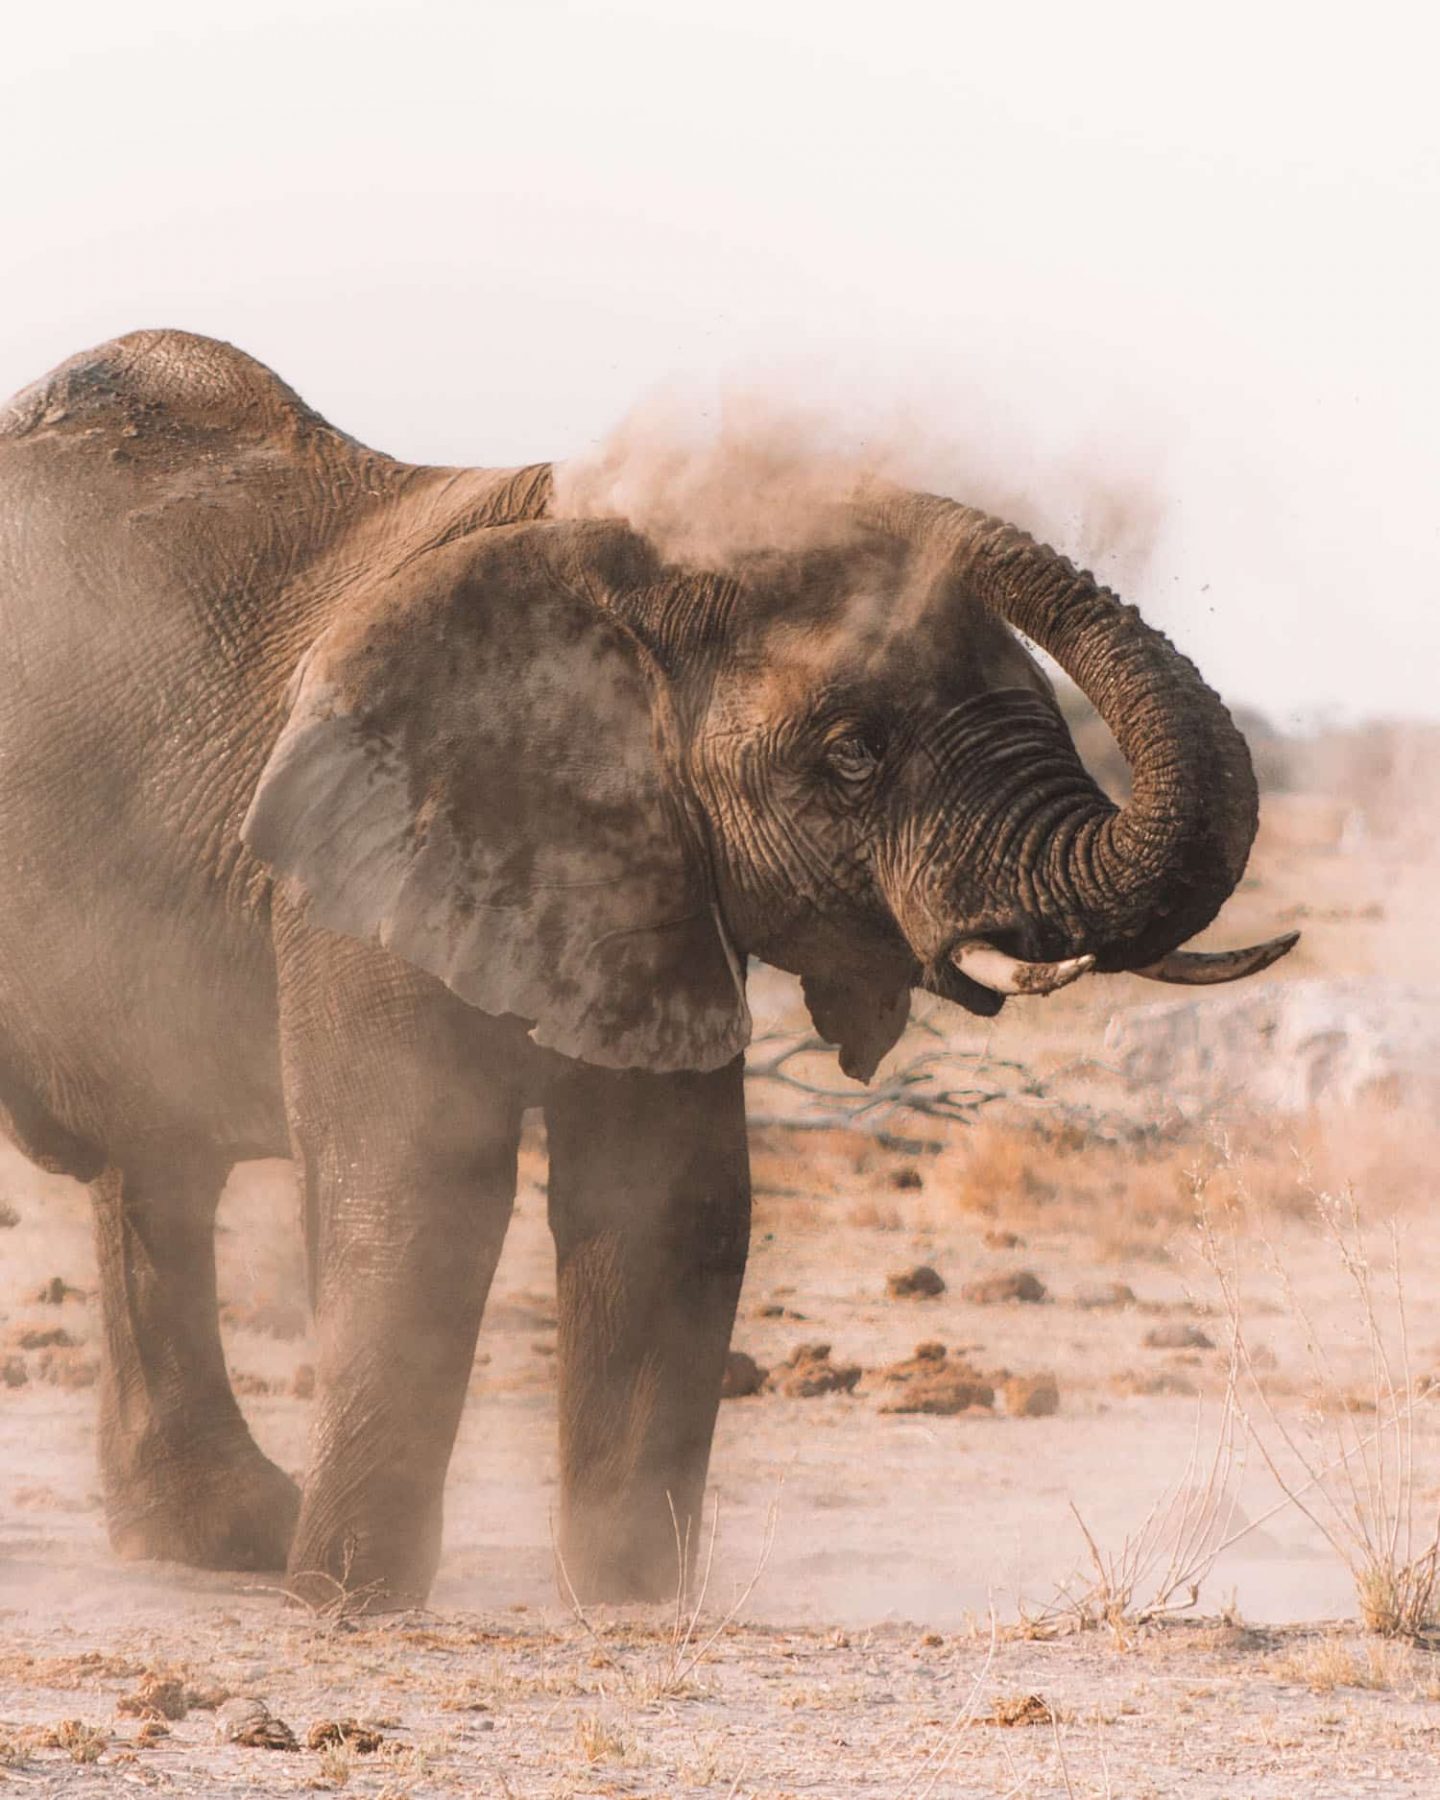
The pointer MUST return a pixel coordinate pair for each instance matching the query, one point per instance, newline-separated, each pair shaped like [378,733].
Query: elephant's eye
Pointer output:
[853,757]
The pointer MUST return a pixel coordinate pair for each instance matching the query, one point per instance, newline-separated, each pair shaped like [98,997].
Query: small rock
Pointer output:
[743,1376]
[919,1283]
[994,1290]
[1097,1296]
[1032,1396]
[808,1371]
[13,1372]
[1002,1240]
[8,1216]
[364,1740]
[302,1382]
[772,1309]
[251,1386]
[252,1724]
[906,1178]
[1178,1336]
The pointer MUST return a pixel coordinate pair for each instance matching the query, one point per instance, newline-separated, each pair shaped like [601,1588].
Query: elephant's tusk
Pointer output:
[1195,968]
[1003,974]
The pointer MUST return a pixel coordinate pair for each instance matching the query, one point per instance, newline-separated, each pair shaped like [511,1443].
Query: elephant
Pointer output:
[354,807]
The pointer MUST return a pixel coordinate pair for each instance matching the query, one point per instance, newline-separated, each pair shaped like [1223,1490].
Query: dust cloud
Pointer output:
[768,467]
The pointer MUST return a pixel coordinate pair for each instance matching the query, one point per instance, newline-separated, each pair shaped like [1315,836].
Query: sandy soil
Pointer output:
[905,1611]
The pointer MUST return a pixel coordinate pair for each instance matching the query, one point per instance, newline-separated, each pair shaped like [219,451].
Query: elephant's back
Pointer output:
[159,498]
[163,388]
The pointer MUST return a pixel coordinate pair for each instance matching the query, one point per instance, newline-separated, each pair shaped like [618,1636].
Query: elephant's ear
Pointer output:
[474,774]
[863,1019]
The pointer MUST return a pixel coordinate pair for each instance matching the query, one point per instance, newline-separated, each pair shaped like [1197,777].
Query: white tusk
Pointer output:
[1196,968]
[1003,974]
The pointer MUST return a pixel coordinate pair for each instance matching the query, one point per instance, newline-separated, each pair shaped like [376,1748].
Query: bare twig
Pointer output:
[948,1084]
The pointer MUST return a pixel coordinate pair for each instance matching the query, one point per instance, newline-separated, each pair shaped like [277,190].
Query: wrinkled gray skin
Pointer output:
[350,808]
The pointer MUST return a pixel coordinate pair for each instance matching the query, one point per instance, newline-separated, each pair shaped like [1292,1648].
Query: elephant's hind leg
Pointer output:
[182,1477]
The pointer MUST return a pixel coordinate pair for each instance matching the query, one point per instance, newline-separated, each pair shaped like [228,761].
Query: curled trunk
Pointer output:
[1140,880]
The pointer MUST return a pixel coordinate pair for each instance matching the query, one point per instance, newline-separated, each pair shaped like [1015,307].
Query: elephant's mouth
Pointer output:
[942,977]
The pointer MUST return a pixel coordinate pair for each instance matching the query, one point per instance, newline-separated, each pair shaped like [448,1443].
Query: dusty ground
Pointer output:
[864,1660]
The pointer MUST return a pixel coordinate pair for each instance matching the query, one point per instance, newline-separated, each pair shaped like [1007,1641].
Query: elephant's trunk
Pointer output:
[1138,881]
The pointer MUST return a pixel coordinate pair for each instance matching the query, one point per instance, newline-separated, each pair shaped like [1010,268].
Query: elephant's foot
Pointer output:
[368,1540]
[230,1511]
[610,1555]
[354,1570]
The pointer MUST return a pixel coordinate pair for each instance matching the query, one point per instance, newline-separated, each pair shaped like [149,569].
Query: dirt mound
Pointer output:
[56,1291]
[1099,1296]
[1178,1336]
[931,1381]
[920,1283]
[41,1337]
[996,1290]
[808,1372]
[156,1697]
[327,1734]
[1031,1396]
[743,1376]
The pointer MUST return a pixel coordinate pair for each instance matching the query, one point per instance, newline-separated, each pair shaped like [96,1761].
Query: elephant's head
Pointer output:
[580,785]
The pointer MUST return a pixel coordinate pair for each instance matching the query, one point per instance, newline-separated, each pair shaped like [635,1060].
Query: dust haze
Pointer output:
[917,1443]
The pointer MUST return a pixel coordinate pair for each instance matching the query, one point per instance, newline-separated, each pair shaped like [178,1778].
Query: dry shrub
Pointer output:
[597,1740]
[1064,1180]
[1134,1193]
[1349,1463]
[159,1695]
[82,1743]
[1011,1710]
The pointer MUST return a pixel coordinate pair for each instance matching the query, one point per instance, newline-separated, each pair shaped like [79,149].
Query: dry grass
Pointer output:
[1158,1569]
[1133,1194]
[597,1740]
[1349,1462]
[1324,1664]
[685,1645]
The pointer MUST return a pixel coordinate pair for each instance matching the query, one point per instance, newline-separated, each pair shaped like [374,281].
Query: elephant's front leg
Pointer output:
[407,1141]
[650,1206]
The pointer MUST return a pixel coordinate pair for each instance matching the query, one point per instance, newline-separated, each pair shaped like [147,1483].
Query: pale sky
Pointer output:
[1189,256]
